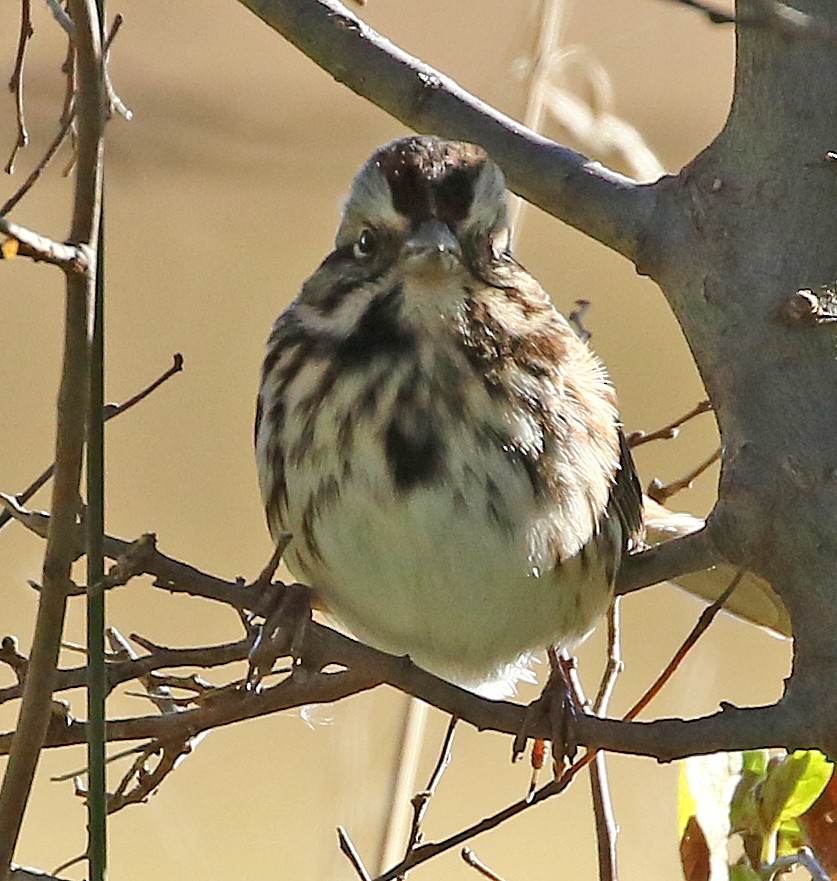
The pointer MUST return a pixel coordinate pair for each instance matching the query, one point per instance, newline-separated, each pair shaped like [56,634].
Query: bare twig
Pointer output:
[706,618]
[148,782]
[475,862]
[661,492]
[68,118]
[61,17]
[348,848]
[21,873]
[421,801]
[804,857]
[10,655]
[16,82]
[38,170]
[637,438]
[615,664]
[111,412]
[607,829]
[115,103]
[73,259]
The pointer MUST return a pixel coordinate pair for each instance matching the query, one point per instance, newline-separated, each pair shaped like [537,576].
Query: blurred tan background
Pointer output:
[222,196]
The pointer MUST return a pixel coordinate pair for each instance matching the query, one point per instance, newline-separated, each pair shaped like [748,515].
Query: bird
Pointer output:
[443,448]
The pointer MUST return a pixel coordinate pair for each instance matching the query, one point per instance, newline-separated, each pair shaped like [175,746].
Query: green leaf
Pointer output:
[793,785]
[755,762]
[686,805]
[743,871]
[790,838]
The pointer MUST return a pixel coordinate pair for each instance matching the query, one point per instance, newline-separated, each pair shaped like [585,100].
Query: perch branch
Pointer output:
[605,205]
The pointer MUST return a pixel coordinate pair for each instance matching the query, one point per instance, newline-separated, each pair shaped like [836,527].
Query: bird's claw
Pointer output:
[281,635]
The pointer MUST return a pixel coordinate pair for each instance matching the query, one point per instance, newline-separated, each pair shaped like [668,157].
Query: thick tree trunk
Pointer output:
[751,222]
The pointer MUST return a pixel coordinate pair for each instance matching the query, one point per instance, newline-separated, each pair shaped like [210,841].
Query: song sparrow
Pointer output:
[443,447]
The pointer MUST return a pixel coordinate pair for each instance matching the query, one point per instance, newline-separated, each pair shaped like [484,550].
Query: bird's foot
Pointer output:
[282,634]
[557,710]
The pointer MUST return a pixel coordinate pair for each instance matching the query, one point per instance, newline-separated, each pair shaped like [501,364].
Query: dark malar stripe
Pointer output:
[380,332]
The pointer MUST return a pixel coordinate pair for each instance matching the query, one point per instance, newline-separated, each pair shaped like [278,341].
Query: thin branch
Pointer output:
[38,170]
[147,783]
[16,82]
[421,800]
[703,622]
[60,15]
[667,560]
[348,848]
[471,859]
[111,412]
[615,665]
[667,432]
[804,857]
[605,205]
[68,118]
[607,830]
[661,492]
[73,259]
[23,873]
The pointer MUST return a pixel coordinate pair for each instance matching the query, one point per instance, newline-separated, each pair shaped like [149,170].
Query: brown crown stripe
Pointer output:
[429,178]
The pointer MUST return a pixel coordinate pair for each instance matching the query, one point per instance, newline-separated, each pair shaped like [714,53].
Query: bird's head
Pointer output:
[427,205]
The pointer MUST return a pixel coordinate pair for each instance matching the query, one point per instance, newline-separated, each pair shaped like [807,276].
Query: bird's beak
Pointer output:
[432,244]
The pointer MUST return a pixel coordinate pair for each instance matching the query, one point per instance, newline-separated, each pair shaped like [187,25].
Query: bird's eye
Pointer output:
[365,244]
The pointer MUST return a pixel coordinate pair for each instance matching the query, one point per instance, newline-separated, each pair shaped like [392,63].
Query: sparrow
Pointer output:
[444,449]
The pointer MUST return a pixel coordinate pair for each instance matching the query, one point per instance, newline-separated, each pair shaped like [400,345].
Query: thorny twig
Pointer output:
[111,412]
[661,492]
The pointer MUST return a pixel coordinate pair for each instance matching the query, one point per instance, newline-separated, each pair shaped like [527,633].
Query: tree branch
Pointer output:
[607,206]
[71,258]
[35,712]
[667,560]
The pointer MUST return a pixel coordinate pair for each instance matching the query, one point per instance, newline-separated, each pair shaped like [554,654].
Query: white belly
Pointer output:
[426,576]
